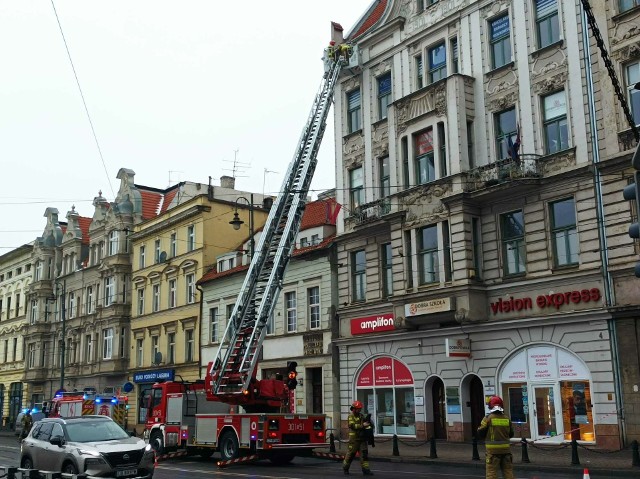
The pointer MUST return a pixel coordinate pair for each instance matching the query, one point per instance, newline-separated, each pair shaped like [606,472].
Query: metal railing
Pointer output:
[503,171]
[372,211]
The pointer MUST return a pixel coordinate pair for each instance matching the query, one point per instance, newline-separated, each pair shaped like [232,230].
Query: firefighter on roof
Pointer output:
[496,429]
[357,440]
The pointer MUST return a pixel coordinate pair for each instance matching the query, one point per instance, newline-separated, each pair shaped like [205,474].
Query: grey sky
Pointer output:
[173,88]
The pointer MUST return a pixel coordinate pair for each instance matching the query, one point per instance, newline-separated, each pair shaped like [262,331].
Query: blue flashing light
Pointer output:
[114,400]
[98,400]
[85,397]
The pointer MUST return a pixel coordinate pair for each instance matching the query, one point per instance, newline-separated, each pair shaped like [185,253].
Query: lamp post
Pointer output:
[236,222]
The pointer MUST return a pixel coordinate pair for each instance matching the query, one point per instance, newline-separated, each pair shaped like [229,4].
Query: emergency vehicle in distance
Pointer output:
[81,403]
[203,417]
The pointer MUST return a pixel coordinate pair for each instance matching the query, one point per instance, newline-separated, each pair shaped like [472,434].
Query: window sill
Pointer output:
[500,69]
[551,46]
[623,15]
[506,278]
[381,121]
[352,134]
[565,268]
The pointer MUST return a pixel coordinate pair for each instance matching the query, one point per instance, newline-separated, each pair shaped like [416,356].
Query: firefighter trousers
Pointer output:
[355,446]
[497,462]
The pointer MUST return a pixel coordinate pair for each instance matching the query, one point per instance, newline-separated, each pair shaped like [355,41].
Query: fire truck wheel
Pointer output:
[228,445]
[281,459]
[157,443]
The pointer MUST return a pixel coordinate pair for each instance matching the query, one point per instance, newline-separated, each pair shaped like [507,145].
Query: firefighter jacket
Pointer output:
[356,429]
[496,428]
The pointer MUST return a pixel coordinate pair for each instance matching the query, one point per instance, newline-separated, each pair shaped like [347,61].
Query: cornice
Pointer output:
[165,224]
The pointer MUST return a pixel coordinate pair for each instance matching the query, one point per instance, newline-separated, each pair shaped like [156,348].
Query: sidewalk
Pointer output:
[542,458]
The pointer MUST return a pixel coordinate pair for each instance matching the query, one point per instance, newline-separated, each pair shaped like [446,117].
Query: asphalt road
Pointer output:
[306,468]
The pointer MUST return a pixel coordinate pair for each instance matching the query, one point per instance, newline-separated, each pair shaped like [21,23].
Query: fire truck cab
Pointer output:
[78,403]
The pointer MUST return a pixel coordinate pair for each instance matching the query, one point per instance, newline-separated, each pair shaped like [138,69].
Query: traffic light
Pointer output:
[632,193]
[292,374]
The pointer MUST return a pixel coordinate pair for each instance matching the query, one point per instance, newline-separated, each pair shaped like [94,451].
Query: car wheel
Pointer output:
[228,446]
[157,443]
[26,463]
[281,459]
[69,468]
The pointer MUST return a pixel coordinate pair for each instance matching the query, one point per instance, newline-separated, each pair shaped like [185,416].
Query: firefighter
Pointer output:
[496,429]
[357,440]
[27,423]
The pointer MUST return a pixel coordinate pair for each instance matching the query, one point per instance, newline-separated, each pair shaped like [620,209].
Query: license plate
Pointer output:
[126,472]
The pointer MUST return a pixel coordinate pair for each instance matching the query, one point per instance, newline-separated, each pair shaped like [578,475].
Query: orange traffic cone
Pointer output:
[585,475]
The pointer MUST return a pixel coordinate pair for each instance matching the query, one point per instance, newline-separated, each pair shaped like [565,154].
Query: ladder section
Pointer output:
[236,359]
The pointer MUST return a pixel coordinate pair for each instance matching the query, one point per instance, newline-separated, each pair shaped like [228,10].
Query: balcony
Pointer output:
[370,212]
[525,167]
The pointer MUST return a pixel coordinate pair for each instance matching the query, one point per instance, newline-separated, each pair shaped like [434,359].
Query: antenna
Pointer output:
[264,178]
[174,171]
[237,165]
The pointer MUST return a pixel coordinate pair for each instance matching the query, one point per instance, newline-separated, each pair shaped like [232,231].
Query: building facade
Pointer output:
[304,323]
[15,278]
[169,254]
[480,252]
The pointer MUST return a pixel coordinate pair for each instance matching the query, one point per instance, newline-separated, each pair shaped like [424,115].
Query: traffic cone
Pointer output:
[585,474]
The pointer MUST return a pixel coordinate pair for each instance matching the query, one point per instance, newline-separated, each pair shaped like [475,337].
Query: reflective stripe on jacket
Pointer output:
[355,425]
[497,429]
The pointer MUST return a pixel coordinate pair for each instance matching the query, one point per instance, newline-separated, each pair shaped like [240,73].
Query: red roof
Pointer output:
[151,201]
[319,213]
[84,224]
[213,273]
[323,244]
[168,198]
[374,15]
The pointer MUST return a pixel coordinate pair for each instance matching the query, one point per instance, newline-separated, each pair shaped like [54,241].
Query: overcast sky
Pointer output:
[175,91]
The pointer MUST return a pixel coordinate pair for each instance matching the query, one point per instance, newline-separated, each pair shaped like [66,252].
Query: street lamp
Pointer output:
[236,222]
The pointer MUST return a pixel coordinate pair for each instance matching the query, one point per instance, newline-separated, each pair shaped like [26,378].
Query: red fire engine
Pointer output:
[203,417]
[78,403]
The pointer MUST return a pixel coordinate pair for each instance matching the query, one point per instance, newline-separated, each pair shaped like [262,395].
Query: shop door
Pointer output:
[439,417]
[545,413]
[476,399]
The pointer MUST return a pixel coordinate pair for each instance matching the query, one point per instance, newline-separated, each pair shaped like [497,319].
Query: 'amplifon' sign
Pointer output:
[373,324]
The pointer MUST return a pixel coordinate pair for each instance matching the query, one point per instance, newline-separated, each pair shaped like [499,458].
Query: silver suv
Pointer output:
[93,445]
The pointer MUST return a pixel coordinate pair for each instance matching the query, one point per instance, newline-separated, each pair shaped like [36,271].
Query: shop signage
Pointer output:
[153,376]
[458,347]
[427,307]
[546,301]
[384,371]
[313,344]
[543,363]
[373,324]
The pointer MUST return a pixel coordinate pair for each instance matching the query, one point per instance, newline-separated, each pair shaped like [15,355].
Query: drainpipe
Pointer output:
[602,230]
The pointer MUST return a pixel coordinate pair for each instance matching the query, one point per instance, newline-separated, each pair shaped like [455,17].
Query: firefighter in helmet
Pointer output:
[357,440]
[496,429]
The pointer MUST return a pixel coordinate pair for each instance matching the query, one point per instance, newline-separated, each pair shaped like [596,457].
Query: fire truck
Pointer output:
[78,403]
[232,411]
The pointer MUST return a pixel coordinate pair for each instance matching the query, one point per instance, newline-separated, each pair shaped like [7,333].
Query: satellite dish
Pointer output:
[163,256]
[158,358]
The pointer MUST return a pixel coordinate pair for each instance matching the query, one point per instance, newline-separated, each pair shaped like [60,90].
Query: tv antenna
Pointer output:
[237,166]
[264,178]
[174,171]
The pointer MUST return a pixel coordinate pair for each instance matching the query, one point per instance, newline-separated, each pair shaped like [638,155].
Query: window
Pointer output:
[271,326]
[6,352]
[356,184]
[506,132]
[313,300]
[191,288]
[109,290]
[140,301]
[33,318]
[387,273]
[290,303]
[72,305]
[442,143]
[476,239]
[38,274]
[90,304]
[32,356]
[358,275]
[446,250]
[500,40]
[353,111]
[472,160]
[123,339]
[385,178]
[107,343]
[43,355]
[547,22]
[156,251]
[404,147]
[633,77]
[17,304]
[425,165]
[513,247]
[437,63]
[155,349]
[563,232]
[315,239]
[419,72]
[172,293]
[628,5]
[156,297]
[173,245]
[171,348]
[384,94]
[555,122]
[139,352]
[408,257]
[113,243]
[189,350]
[428,254]
[8,307]
[304,242]
[142,259]
[191,238]
[213,324]
[454,55]
[88,349]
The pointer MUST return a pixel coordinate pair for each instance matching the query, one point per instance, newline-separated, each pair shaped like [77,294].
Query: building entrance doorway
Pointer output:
[439,409]
[476,402]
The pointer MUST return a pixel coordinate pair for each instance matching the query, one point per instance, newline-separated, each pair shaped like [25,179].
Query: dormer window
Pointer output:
[304,242]
[315,239]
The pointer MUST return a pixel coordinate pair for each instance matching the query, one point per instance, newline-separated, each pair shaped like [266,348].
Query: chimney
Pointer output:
[228,182]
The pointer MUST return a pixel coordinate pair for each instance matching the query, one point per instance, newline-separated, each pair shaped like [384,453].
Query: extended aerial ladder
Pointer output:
[234,367]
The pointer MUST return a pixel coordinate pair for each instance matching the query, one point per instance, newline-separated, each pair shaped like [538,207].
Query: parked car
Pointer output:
[92,445]
[36,416]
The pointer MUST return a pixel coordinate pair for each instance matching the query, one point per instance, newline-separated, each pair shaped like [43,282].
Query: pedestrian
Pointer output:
[358,426]
[496,429]
[27,422]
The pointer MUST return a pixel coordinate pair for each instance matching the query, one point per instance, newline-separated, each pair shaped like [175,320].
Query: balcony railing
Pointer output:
[370,211]
[502,171]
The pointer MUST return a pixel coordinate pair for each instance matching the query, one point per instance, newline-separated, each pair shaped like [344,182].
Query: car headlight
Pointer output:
[94,460]
[148,448]
[87,452]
